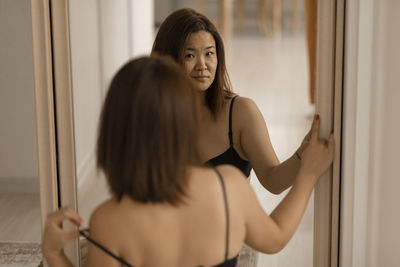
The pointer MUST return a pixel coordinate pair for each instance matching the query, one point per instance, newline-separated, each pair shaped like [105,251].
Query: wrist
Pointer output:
[54,259]
[306,176]
[50,253]
[298,155]
[300,150]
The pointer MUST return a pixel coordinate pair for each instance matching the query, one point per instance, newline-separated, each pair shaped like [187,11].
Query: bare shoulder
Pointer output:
[207,177]
[229,171]
[245,104]
[103,216]
[232,177]
[246,110]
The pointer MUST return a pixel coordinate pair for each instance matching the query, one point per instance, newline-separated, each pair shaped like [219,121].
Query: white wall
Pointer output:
[388,143]
[142,27]
[370,233]
[103,36]
[86,79]
[18,148]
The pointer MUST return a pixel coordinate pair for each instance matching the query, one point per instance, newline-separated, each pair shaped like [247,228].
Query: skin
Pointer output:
[200,60]
[54,238]
[194,234]
[250,133]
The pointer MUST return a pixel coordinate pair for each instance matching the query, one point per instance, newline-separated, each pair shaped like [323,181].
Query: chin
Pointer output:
[202,89]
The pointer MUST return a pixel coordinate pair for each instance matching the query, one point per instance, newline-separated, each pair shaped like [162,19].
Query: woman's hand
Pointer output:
[318,155]
[54,237]
[305,142]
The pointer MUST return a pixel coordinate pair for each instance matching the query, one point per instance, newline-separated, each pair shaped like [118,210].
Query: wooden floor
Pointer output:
[20,217]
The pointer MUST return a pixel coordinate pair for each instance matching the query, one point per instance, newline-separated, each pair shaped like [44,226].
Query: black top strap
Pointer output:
[121,260]
[226,213]
[230,121]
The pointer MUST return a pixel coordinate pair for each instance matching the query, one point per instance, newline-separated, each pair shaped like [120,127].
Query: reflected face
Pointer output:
[200,59]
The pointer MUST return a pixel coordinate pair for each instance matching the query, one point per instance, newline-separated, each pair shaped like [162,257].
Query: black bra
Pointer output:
[227,262]
[230,156]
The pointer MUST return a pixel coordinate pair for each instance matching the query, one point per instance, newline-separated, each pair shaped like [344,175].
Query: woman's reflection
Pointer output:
[167,208]
[232,130]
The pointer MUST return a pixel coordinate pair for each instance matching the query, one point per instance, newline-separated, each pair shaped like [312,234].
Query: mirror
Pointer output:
[266,59]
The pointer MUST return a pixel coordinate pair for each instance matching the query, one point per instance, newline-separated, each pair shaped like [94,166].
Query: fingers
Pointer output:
[308,136]
[71,235]
[331,142]
[65,213]
[315,129]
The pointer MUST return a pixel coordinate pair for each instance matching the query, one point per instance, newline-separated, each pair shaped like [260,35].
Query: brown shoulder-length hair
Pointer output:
[171,39]
[148,131]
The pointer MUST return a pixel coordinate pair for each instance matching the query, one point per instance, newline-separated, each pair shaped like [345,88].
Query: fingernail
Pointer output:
[317,116]
[332,131]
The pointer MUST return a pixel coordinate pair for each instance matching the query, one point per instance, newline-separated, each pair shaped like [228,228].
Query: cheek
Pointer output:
[214,67]
[187,67]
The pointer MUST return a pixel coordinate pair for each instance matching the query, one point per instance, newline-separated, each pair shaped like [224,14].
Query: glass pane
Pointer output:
[266,61]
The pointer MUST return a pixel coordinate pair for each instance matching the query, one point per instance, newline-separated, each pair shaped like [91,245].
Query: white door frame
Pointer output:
[330,33]
[64,116]
[45,119]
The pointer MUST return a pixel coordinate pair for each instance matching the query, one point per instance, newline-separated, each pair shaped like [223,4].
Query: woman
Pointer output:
[167,210]
[232,129]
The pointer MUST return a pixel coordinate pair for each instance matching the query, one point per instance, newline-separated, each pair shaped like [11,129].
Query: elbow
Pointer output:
[272,187]
[271,184]
[275,247]
[277,191]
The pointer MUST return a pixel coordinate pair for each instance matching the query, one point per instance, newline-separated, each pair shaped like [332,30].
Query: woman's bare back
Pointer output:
[191,234]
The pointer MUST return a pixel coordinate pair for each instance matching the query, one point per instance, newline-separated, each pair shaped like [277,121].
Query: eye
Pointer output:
[209,53]
[189,56]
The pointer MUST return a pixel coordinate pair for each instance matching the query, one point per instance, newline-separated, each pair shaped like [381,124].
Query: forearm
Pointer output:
[287,215]
[58,260]
[279,178]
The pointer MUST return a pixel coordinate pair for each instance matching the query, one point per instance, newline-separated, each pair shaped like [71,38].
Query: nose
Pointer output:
[200,64]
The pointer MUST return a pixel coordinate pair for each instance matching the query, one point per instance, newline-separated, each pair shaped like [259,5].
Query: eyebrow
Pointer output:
[193,49]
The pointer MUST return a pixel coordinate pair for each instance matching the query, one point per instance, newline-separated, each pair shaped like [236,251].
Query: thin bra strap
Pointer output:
[226,213]
[230,121]
[121,260]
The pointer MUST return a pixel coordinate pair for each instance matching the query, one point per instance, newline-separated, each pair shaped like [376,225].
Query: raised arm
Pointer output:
[270,234]
[256,144]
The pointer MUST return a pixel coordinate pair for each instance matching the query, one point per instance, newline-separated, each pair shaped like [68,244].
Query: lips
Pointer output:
[201,78]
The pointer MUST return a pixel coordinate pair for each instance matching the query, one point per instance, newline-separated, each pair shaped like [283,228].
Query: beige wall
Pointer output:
[388,196]
[18,149]
[370,215]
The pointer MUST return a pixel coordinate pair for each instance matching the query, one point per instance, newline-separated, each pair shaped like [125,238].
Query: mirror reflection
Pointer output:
[267,62]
